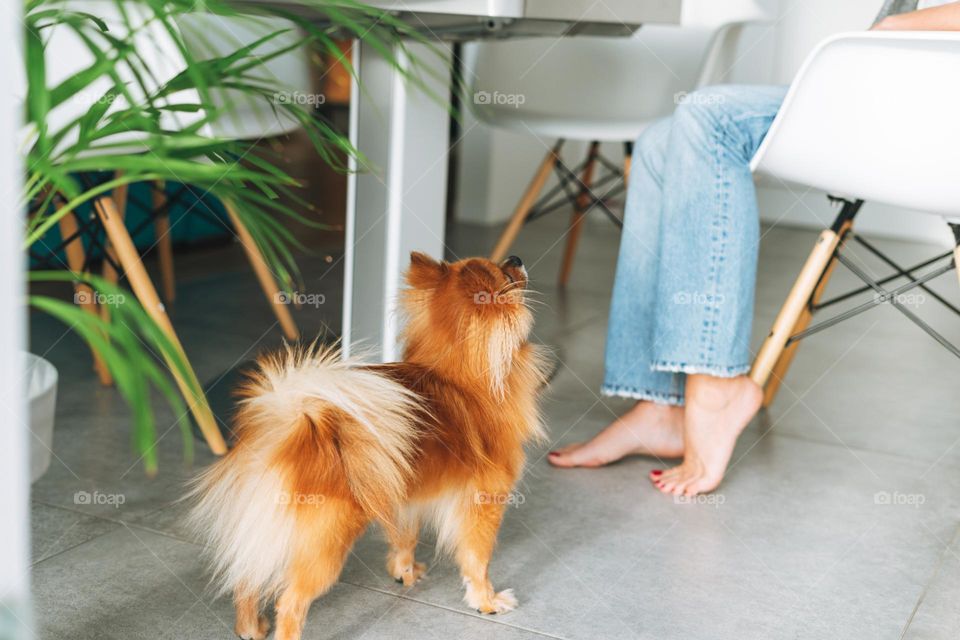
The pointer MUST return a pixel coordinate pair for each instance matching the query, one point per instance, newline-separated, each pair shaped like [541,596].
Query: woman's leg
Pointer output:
[709,237]
[653,426]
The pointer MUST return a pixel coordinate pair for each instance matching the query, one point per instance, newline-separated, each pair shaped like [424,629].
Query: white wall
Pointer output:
[15,617]
[496,165]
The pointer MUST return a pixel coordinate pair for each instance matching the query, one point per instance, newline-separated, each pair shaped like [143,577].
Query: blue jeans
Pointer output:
[684,289]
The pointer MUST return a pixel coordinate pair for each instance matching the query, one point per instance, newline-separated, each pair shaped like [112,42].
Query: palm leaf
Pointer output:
[127,131]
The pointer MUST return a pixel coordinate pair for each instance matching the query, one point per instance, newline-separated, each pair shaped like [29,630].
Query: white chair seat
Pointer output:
[566,127]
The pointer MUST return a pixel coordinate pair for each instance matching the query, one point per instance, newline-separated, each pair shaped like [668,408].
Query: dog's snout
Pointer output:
[513,261]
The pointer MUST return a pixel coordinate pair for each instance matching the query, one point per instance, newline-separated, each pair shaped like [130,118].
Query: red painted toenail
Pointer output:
[656,472]
[554,453]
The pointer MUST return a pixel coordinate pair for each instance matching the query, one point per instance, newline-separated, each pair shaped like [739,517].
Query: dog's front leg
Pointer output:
[476,537]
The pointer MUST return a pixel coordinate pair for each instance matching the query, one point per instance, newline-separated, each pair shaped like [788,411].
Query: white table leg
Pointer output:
[396,199]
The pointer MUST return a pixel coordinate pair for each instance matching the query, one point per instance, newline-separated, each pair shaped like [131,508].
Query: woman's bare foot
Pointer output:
[717,410]
[647,429]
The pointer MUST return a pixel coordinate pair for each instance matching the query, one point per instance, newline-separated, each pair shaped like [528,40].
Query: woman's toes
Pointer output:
[565,456]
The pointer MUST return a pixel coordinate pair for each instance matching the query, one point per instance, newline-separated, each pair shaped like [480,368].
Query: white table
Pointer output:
[396,203]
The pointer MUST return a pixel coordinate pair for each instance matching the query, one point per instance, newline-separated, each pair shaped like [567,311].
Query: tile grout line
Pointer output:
[452,610]
[929,583]
[171,536]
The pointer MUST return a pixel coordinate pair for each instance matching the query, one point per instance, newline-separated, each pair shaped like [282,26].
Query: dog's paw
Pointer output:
[254,632]
[409,575]
[500,603]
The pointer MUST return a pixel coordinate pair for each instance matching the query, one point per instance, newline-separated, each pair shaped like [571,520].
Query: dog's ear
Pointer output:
[424,271]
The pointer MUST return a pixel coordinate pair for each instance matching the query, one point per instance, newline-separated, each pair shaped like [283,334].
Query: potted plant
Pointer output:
[131,111]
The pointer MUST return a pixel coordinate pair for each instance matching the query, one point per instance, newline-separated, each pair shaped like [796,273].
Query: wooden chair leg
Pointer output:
[161,227]
[146,293]
[267,282]
[806,316]
[83,294]
[519,215]
[579,212]
[627,161]
[794,306]
[110,259]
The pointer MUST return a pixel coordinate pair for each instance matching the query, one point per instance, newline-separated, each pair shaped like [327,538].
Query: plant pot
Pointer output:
[41,388]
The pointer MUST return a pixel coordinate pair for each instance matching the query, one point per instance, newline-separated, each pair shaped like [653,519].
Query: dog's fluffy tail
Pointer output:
[312,423]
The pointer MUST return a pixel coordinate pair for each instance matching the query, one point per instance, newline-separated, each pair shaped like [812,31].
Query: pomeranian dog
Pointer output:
[326,446]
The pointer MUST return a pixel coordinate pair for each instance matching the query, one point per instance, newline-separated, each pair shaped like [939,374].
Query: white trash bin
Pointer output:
[41,387]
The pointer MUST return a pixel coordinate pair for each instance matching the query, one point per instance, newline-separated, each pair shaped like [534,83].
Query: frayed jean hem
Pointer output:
[636,394]
[700,369]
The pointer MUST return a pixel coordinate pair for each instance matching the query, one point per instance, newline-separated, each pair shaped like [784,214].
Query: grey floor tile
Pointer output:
[54,530]
[804,540]
[131,584]
[937,615]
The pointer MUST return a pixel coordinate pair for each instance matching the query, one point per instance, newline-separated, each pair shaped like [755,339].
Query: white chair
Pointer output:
[597,90]
[871,116]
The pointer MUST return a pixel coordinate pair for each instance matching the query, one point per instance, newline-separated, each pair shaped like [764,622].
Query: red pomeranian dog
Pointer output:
[325,446]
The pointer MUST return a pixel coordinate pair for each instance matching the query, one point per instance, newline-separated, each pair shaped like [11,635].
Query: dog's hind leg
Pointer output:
[251,624]
[476,536]
[402,531]
[325,534]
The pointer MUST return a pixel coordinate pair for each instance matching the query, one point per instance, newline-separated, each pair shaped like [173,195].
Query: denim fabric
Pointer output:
[683,294]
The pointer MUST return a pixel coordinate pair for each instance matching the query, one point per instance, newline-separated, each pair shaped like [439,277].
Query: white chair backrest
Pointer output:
[874,116]
[245,115]
[627,79]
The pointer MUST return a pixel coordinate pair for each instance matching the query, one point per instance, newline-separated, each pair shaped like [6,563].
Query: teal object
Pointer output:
[196,218]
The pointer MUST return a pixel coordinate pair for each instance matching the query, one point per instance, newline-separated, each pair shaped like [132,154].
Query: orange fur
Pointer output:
[438,438]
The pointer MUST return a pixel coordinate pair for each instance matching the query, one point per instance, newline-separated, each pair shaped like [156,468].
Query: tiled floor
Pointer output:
[798,543]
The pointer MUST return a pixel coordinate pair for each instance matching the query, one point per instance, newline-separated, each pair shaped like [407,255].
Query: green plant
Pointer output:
[131,112]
